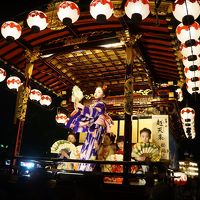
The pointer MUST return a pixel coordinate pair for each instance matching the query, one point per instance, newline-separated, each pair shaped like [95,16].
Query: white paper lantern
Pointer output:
[61,118]
[180,178]
[13,82]
[101,10]
[37,20]
[186,11]
[137,10]
[11,30]
[45,100]
[192,73]
[187,113]
[193,90]
[188,33]
[2,74]
[68,12]
[193,50]
[188,63]
[35,95]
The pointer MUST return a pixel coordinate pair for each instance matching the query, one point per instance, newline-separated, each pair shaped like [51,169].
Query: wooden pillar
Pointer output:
[128,107]
[21,105]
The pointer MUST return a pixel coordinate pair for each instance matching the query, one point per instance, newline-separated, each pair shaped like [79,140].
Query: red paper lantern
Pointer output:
[13,82]
[37,20]
[137,10]
[2,74]
[45,100]
[11,30]
[68,12]
[101,10]
[186,11]
[35,95]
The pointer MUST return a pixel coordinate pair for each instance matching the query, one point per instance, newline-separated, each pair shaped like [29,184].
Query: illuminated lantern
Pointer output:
[188,34]
[35,95]
[37,20]
[2,74]
[13,82]
[192,90]
[186,11]
[11,30]
[189,62]
[193,82]
[68,12]
[180,178]
[187,113]
[101,10]
[45,100]
[137,10]
[190,50]
[61,118]
[192,71]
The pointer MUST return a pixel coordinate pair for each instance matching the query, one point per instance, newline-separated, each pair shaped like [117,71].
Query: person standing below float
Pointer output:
[93,120]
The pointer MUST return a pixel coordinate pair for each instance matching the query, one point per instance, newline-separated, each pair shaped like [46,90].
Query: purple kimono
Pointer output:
[95,122]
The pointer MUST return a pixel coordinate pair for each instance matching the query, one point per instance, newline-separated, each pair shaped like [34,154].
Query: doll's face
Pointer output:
[145,137]
[71,138]
[98,94]
[120,145]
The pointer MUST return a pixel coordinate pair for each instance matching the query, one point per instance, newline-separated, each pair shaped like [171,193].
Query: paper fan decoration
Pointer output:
[150,150]
[62,144]
[77,94]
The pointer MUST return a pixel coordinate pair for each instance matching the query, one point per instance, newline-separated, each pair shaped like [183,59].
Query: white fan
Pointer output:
[62,144]
[77,94]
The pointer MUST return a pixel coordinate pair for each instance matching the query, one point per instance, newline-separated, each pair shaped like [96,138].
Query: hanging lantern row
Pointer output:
[188,122]
[68,13]
[188,33]
[14,82]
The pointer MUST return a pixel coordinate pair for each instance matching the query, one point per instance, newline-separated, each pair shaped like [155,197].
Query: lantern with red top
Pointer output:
[188,34]
[13,82]
[68,12]
[37,20]
[137,10]
[61,118]
[45,100]
[190,50]
[186,11]
[2,74]
[35,95]
[11,30]
[101,10]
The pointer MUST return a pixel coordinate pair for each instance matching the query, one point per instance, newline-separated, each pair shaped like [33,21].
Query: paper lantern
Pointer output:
[193,50]
[187,113]
[37,20]
[194,61]
[193,90]
[11,30]
[35,95]
[193,82]
[101,10]
[68,12]
[188,34]
[190,73]
[137,10]
[61,118]
[13,82]
[45,100]
[186,11]
[2,74]
[180,178]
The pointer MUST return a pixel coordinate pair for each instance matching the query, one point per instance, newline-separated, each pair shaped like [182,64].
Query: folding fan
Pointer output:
[62,144]
[149,150]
